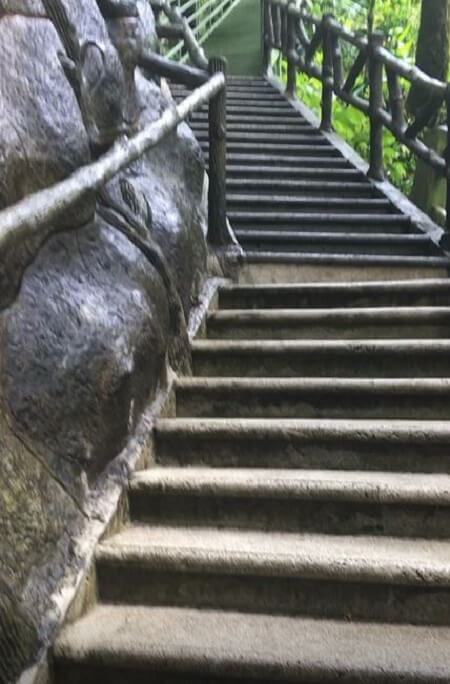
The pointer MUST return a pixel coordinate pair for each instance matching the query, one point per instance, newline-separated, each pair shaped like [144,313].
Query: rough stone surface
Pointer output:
[87,321]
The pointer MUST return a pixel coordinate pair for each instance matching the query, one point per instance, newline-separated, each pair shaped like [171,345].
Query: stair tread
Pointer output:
[294,199]
[374,217]
[221,643]
[316,556]
[347,237]
[324,346]
[417,431]
[379,487]
[359,314]
[254,256]
[416,285]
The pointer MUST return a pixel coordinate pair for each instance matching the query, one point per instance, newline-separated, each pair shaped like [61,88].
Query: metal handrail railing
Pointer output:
[205,18]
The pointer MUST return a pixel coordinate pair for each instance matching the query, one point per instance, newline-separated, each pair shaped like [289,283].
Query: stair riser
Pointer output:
[269,139]
[302,190]
[230,450]
[89,673]
[285,204]
[272,110]
[291,515]
[291,152]
[162,584]
[291,173]
[328,364]
[328,247]
[308,226]
[258,158]
[277,272]
[224,330]
[293,300]
[201,126]
[74,673]
[257,403]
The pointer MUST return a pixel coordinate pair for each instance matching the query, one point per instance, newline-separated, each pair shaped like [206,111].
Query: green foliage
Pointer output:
[399,21]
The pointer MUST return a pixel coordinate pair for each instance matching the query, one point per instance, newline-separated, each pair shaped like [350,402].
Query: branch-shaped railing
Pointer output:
[299,37]
[196,18]
[35,217]
[25,219]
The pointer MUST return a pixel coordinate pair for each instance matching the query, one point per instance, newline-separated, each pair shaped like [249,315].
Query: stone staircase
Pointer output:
[295,525]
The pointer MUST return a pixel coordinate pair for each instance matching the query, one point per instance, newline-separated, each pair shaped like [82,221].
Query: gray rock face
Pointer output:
[90,316]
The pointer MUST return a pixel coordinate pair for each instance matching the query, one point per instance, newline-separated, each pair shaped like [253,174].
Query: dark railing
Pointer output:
[202,17]
[36,214]
[178,29]
[299,36]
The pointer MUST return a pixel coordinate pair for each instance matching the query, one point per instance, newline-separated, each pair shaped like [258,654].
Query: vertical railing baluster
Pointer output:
[284,30]
[218,234]
[447,159]
[291,85]
[376,167]
[338,66]
[327,75]
[266,35]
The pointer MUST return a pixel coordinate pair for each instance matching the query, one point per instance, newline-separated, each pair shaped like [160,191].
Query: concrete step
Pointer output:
[334,323]
[240,201]
[288,221]
[335,242]
[332,577]
[279,173]
[326,502]
[306,160]
[303,188]
[419,446]
[267,137]
[258,115]
[335,397]
[171,645]
[275,140]
[262,268]
[289,127]
[291,151]
[324,295]
[273,110]
[294,225]
[282,266]
[358,358]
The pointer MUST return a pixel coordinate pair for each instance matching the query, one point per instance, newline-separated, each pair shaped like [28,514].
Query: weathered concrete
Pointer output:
[133,642]
[319,501]
[333,397]
[428,292]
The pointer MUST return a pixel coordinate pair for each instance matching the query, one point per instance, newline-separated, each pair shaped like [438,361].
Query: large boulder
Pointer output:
[88,317]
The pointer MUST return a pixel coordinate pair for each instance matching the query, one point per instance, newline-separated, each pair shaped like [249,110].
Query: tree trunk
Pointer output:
[432,55]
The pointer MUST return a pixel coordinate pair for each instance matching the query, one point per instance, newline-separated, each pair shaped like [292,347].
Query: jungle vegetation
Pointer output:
[414,30]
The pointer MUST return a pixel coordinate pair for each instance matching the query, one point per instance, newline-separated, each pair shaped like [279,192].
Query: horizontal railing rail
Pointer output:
[194,20]
[37,215]
[299,36]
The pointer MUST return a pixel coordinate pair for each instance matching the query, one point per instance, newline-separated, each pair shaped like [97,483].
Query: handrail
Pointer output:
[197,24]
[35,215]
[284,27]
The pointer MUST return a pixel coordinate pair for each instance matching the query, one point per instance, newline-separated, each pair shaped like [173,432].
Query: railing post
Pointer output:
[265,36]
[291,85]
[376,168]
[218,234]
[327,75]
[447,161]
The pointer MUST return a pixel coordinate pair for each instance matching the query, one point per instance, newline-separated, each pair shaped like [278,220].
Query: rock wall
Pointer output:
[88,319]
